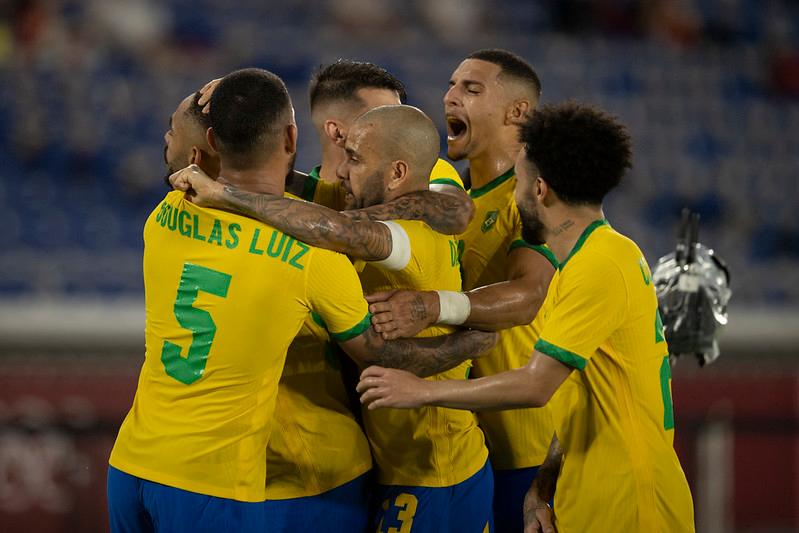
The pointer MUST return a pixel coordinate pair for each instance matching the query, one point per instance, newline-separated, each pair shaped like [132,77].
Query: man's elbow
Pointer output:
[463,214]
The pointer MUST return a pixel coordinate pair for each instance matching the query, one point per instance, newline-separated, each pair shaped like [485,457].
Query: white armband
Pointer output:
[400,254]
[455,307]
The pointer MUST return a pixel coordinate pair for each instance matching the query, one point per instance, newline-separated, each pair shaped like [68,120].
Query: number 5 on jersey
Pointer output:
[194,279]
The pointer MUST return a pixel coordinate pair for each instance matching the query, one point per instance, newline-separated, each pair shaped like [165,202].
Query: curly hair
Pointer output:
[341,80]
[580,151]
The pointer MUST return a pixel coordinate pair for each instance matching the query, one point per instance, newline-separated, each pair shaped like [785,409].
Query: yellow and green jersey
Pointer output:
[332,194]
[316,445]
[613,415]
[431,446]
[224,297]
[517,438]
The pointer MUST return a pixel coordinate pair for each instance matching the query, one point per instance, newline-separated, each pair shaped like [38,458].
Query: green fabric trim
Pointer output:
[446,181]
[309,187]
[564,356]
[316,317]
[493,184]
[540,248]
[354,331]
[579,244]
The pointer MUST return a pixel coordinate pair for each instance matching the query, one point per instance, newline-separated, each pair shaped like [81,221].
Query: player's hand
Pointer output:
[389,387]
[200,189]
[205,94]
[538,515]
[402,314]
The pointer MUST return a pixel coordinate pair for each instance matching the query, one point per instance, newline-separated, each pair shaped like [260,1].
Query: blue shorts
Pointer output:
[136,505]
[510,487]
[465,507]
[344,509]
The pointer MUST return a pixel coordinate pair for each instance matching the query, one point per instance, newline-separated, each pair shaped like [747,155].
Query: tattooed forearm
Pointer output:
[447,213]
[429,355]
[548,472]
[315,224]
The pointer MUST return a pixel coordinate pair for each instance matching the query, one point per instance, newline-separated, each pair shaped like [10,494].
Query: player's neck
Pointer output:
[266,178]
[567,225]
[332,157]
[491,163]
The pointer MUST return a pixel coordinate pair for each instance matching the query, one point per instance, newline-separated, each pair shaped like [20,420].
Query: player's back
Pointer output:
[224,297]
[432,446]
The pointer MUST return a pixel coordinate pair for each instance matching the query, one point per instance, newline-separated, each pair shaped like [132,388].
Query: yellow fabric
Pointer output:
[613,415]
[517,438]
[201,419]
[444,173]
[432,446]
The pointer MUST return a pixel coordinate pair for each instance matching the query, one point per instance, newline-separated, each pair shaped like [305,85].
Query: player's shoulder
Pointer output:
[444,173]
[603,251]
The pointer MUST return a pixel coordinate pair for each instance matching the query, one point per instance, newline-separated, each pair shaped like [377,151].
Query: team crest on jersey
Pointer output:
[490,220]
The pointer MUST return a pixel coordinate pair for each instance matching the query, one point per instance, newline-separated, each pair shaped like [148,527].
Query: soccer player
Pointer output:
[339,93]
[490,94]
[433,469]
[601,360]
[224,297]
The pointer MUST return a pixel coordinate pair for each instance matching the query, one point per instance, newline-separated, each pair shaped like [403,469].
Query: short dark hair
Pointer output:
[248,109]
[511,65]
[342,79]
[580,151]
[195,112]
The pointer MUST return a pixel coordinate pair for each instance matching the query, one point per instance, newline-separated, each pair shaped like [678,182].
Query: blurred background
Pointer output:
[709,89]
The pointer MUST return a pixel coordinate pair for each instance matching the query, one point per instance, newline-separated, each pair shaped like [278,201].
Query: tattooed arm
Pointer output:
[538,515]
[425,356]
[447,209]
[315,224]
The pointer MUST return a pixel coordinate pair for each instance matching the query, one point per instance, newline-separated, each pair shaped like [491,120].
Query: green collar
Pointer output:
[579,244]
[493,184]
[314,173]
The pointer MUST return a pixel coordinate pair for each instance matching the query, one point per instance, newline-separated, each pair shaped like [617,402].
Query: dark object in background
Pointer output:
[692,286]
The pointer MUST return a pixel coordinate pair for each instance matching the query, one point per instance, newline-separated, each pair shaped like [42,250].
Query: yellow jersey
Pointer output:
[431,446]
[517,438]
[225,295]
[613,415]
[316,445]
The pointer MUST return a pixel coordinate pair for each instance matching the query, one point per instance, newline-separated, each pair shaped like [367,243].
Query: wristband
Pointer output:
[454,307]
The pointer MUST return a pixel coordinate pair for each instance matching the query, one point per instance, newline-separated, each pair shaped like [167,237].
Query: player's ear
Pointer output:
[291,139]
[210,136]
[518,112]
[336,132]
[195,156]
[399,173]
[542,191]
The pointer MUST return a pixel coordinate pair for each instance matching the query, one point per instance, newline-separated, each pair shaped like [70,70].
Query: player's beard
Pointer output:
[533,229]
[372,192]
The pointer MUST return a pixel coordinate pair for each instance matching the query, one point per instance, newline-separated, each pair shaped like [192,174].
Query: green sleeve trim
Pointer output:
[446,181]
[493,184]
[542,249]
[309,188]
[564,356]
[354,331]
[317,318]
[583,237]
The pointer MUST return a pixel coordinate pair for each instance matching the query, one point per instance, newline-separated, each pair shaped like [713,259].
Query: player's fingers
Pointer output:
[373,371]
[381,317]
[380,297]
[207,91]
[372,395]
[368,383]
[544,517]
[390,335]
